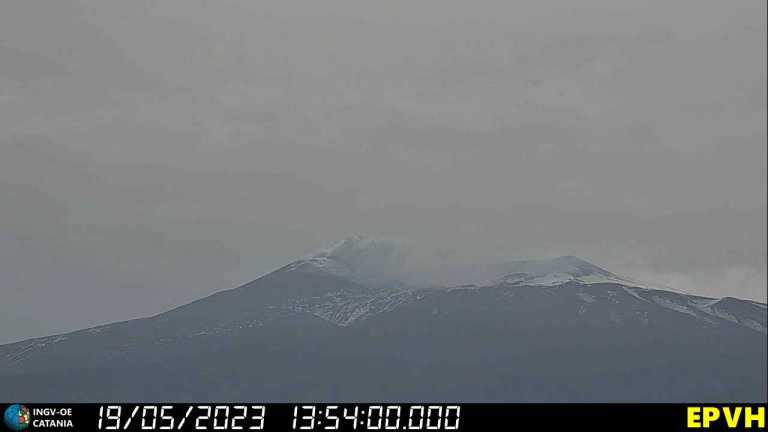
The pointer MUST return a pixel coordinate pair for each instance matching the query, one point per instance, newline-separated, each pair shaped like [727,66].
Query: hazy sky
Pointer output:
[152,152]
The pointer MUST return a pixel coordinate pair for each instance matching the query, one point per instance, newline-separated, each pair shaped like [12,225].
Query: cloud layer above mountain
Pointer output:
[154,151]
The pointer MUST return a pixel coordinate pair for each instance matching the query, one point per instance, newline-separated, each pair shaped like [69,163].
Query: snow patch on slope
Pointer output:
[586,297]
[675,306]
[343,310]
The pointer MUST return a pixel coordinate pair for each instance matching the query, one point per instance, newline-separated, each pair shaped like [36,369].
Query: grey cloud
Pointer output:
[151,152]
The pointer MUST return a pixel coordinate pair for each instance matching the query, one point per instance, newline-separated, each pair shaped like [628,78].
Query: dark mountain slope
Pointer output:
[559,330]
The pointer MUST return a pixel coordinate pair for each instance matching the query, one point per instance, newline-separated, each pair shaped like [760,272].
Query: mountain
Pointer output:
[353,323]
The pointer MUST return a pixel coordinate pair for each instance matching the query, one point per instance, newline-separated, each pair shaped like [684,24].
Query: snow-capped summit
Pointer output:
[361,251]
[384,262]
[557,271]
[363,259]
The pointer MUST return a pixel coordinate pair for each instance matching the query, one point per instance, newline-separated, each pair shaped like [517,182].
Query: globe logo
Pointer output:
[16,417]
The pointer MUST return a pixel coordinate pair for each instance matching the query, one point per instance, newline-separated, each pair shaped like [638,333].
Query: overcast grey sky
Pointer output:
[152,152]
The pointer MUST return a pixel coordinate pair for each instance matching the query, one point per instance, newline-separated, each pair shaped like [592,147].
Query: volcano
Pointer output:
[352,323]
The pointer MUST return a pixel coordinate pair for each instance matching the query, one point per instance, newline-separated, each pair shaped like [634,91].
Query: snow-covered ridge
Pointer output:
[372,260]
[393,276]
[555,271]
[554,279]
[565,269]
[384,262]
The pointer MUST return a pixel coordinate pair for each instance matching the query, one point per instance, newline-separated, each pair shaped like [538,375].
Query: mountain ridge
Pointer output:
[341,326]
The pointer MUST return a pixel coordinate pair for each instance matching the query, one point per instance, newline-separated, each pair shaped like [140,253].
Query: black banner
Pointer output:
[380,417]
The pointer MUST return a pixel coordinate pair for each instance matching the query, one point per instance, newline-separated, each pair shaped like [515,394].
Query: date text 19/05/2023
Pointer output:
[304,417]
